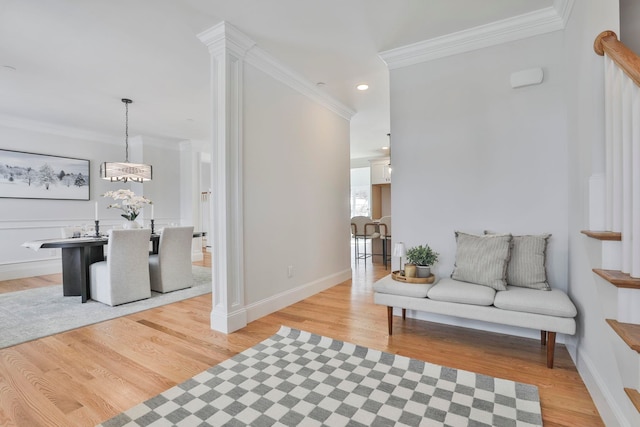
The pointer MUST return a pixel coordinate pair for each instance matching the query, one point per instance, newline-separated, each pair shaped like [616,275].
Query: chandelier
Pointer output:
[123,172]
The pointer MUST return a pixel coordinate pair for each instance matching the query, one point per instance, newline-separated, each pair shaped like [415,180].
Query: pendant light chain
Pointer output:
[124,172]
[126,129]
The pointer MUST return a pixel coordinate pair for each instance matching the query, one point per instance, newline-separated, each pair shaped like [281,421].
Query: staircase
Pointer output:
[617,271]
[613,288]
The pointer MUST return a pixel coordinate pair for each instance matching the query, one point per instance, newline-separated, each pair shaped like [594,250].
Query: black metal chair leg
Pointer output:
[384,253]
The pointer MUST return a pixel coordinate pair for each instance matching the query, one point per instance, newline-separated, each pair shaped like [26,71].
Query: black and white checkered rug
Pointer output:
[296,378]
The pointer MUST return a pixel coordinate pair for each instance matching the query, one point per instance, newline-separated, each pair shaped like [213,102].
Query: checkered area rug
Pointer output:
[296,378]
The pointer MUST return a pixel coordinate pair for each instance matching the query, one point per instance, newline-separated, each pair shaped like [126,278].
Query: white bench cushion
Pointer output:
[451,290]
[551,303]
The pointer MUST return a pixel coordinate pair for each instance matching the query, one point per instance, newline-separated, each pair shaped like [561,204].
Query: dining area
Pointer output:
[124,265]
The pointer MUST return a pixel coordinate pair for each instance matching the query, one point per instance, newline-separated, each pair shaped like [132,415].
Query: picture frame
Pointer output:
[25,175]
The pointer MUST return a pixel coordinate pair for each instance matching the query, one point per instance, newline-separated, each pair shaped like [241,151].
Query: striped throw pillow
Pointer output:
[482,259]
[527,264]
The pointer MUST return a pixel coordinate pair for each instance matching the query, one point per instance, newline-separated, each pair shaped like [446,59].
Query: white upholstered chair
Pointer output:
[124,276]
[385,236]
[362,228]
[170,268]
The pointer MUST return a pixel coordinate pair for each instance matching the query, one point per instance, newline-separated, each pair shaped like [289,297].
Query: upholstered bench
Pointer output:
[536,307]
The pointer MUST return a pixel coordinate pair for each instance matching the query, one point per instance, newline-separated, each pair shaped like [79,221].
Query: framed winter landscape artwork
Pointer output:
[42,176]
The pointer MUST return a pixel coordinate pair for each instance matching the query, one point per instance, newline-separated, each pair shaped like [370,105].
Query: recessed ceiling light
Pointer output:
[385,148]
[362,86]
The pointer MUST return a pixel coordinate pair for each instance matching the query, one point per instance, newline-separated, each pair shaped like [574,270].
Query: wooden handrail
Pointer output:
[607,42]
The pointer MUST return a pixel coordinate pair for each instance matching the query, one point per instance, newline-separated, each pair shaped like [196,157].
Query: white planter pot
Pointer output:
[130,225]
[423,271]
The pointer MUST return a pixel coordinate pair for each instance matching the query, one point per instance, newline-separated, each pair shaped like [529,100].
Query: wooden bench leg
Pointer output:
[551,345]
[390,318]
[543,337]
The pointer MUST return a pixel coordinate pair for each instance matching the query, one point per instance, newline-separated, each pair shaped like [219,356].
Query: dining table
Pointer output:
[78,253]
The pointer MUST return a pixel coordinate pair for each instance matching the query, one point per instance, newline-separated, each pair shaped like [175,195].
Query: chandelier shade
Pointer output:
[136,172]
[123,172]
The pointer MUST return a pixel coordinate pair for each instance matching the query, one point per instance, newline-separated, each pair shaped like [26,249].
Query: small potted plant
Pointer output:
[423,257]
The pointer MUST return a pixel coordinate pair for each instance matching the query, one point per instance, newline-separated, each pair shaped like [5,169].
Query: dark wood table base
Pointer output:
[75,269]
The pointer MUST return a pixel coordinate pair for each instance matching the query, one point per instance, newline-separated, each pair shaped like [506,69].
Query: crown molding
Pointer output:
[266,63]
[55,129]
[563,8]
[225,35]
[15,122]
[543,21]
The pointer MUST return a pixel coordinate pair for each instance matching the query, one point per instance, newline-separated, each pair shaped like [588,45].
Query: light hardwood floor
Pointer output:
[85,376]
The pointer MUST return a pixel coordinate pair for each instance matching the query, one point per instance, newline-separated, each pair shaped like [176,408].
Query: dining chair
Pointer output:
[124,276]
[363,229]
[385,236]
[170,268]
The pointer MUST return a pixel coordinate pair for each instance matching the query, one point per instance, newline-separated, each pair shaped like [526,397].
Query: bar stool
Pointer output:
[362,228]
[385,236]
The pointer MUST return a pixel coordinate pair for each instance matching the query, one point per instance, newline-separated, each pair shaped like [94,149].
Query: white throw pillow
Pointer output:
[528,260]
[482,259]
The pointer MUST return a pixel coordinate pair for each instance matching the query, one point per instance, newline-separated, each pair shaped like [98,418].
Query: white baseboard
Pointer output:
[228,322]
[30,269]
[279,301]
[610,411]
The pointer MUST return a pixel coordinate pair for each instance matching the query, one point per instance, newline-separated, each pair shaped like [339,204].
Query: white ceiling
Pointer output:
[69,62]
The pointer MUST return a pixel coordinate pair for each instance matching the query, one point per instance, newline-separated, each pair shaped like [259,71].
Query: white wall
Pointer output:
[296,190]
[25,219]
[629,32]
[472,154]
[164,188]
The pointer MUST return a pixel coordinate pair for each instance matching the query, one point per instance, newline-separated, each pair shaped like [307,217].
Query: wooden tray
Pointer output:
[397,276]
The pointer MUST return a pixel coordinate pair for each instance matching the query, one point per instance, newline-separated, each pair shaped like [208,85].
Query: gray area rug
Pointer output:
[36,313]
[298,378]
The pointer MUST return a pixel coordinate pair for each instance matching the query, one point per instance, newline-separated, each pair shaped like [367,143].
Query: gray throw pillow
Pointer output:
[527,263]
[482,259]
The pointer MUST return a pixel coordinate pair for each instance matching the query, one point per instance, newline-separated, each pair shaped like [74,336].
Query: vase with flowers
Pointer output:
[129,203]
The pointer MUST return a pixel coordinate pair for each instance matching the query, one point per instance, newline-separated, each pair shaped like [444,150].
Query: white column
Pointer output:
[635,192]
[227,47]
[626,165]
[189,194]
[609,70]
[617,150]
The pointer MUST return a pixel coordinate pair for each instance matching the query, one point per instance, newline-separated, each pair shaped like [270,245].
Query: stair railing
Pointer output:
[622,146]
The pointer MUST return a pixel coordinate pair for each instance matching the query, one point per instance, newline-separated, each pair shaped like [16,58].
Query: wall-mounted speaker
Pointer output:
[528,77]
